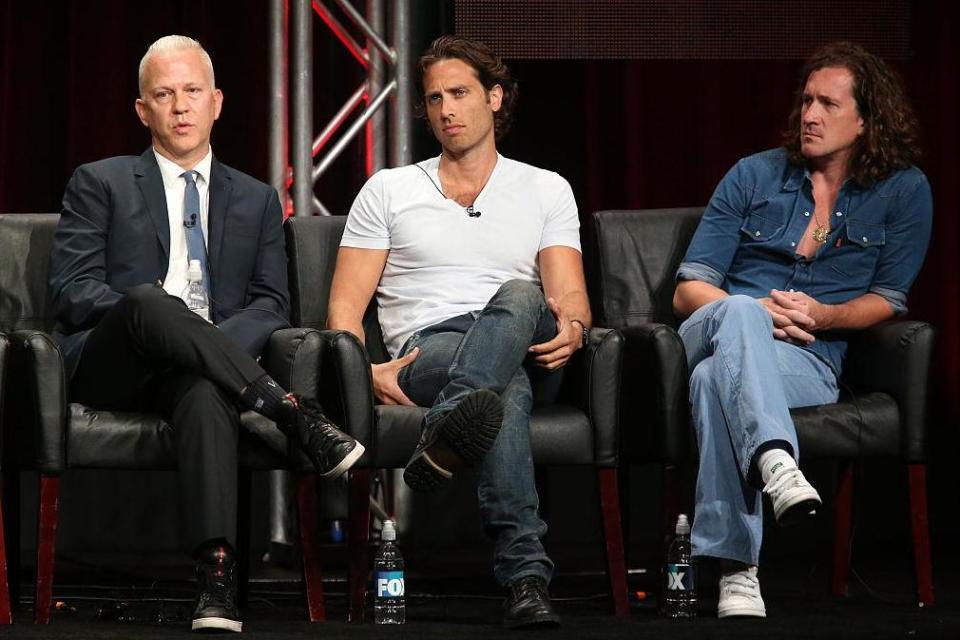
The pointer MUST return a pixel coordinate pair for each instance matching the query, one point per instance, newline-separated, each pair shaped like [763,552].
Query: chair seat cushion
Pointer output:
[865,425]
[120,440]
[560,435]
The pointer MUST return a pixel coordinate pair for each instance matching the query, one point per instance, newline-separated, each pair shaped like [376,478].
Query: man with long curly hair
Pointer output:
[475,262]
[798,246]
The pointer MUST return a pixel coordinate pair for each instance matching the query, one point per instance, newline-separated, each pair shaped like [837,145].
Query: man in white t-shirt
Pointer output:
[475,262]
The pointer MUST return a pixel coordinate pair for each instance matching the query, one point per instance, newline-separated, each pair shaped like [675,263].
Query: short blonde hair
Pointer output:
[169,44]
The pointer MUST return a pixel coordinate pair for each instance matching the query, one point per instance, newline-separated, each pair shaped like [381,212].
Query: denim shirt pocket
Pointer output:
[760,229]
[866,234]
[858,257]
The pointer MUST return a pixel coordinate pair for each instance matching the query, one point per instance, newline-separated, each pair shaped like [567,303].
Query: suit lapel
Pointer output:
[150,182]
[220,187]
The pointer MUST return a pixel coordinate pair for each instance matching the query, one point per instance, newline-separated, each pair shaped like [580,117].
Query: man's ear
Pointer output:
[495,97]
[141,108]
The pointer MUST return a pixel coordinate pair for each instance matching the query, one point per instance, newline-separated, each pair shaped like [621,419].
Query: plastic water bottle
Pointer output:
[388,584]
[195,295]
[680,594]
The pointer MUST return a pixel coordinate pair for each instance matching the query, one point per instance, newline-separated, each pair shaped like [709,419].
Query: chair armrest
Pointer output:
[593,386]
[292,358]
[655,405]
[36,403]
[346,384]
[329,366]
[894,357]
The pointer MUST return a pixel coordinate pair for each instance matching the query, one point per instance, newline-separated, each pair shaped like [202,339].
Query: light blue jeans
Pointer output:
[488,349]
[742,386]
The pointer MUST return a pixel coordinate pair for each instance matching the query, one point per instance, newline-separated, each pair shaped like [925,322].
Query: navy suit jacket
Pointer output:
[114,235]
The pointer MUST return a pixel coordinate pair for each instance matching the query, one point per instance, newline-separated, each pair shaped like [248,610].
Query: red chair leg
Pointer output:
[308,508]
[921,533]
[843,513]
[46,546]
[613,539]
[6,617]
[358,542]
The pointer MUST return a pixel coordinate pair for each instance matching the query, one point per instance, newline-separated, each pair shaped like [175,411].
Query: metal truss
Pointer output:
[387,76]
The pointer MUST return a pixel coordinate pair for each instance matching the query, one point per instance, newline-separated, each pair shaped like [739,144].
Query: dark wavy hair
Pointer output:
[490,70]
[889,140]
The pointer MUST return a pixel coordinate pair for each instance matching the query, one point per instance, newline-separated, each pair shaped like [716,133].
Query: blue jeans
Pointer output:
[487,349]
[742,386]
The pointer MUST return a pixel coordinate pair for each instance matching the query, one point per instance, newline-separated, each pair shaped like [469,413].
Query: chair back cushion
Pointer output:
[26,241]
[637,255]
[312,245]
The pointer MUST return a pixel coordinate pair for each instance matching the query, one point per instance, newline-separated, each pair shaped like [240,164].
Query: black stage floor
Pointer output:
[442,604]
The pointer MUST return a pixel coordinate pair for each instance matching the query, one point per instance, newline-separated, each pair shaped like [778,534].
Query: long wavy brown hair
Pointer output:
[889,140]
[490,70]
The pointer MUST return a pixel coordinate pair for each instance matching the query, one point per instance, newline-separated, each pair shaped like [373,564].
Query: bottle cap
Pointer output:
[389,531]
[683,525]
[194,272]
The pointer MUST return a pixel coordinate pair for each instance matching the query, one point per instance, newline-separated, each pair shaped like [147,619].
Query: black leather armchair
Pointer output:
[5,609]
[48,434]
[881,412]
[581,431]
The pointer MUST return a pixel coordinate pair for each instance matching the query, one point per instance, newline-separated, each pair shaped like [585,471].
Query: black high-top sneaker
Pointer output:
[460,438]
[216,605]
[331,451]
[528,605]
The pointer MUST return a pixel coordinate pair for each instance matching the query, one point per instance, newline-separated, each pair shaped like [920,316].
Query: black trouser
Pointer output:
[150,353]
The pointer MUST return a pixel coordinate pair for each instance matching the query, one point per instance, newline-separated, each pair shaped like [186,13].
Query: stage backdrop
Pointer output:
[652,132]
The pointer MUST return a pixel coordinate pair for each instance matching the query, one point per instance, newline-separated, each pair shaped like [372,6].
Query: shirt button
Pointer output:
[806,213]
[864,238]
[793,290]
[793,244]
[758,234]
[839,213]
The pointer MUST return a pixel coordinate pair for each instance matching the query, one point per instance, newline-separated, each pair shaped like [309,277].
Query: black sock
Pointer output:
[264,396]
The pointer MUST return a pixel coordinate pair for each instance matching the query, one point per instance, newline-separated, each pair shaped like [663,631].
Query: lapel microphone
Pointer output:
[192,222]
[473,213]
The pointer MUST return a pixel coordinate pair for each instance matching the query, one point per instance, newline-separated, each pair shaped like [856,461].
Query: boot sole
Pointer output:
[464,436]
[542,621]
[798,511]
[216,624]
[348,461]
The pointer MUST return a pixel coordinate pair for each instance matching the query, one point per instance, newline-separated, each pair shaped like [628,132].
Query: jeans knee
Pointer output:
[520,294]
[744,307]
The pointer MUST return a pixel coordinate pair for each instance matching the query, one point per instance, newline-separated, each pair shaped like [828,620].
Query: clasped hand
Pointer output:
[795,315]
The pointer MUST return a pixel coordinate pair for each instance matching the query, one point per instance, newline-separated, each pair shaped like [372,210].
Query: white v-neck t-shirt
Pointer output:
[442,262]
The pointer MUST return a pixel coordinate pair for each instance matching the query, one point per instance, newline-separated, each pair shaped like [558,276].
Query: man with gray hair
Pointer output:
[135,234]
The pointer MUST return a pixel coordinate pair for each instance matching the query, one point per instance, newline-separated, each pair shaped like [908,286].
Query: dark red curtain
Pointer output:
[625,133]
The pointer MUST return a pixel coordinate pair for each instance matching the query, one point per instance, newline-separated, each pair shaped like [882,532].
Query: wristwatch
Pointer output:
[584,333]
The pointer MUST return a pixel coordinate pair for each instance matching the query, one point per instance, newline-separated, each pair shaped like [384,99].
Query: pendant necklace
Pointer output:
[820,232]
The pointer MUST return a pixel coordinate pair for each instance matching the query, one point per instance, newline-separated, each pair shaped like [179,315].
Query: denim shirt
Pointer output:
[746,242]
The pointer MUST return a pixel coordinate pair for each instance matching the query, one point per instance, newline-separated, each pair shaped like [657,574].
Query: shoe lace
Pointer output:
[528,587]
[219,579]
[784,480]
[742,583]
[321,431]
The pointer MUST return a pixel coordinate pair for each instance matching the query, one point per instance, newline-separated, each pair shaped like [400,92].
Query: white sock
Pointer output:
[772,460]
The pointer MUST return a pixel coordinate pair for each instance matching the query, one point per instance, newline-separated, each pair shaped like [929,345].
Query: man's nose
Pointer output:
[180,104]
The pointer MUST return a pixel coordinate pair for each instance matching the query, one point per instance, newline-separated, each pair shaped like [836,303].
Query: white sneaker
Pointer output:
[793,498]
[740,595]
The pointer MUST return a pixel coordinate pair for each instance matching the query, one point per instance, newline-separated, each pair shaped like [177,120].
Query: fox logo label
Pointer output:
[389,584]
[679,577]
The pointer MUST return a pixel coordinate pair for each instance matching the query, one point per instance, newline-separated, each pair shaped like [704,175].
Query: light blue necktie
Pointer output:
[196,247]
